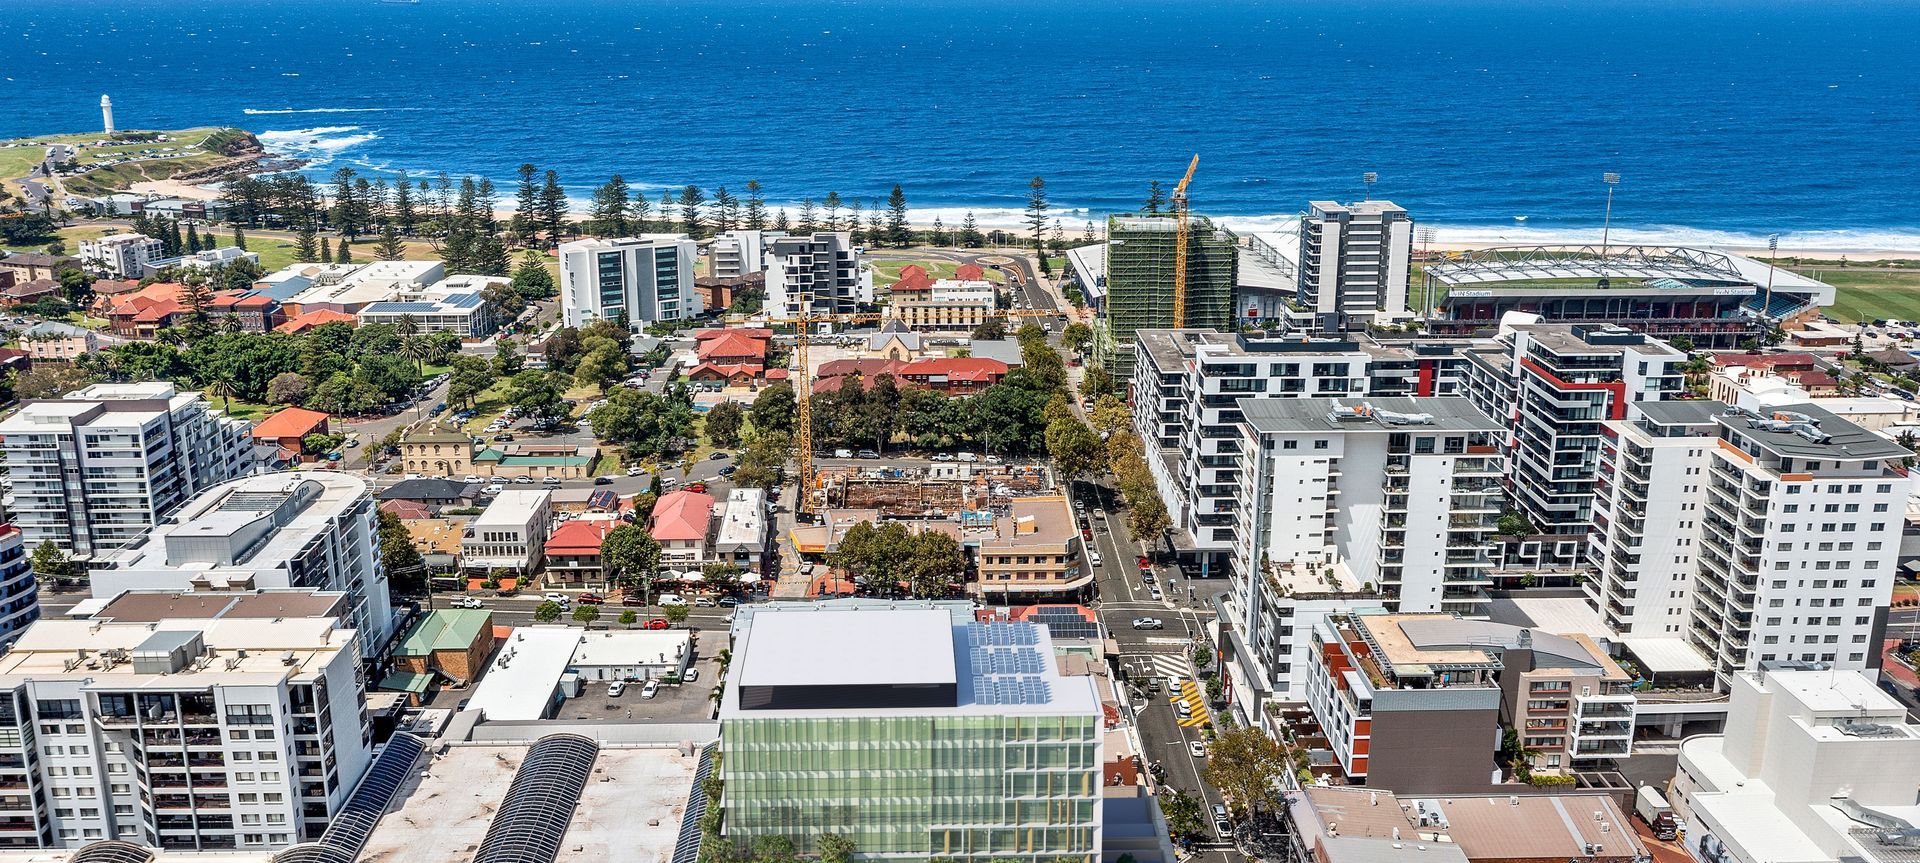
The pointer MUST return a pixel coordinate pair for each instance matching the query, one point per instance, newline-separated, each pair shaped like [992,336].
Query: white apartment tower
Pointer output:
[646,278]
[1353,263]
[317,530]
[1803,519]
[1649,496]
[96,469]
[1555,386]
[823,268]
[1189,386]
[738,253]
[1353,503]
[180,733]
[122,256]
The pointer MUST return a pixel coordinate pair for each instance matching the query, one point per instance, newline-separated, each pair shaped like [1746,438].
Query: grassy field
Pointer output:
[887,270]
[1871,294]
[19,155]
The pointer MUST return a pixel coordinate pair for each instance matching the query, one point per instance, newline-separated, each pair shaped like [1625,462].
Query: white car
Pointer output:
[616,689]
[1198,749]
[692,675]
[495,488]
[472,477]
[943,456]
[651,689]
[523,480]
[668,600]
[469,602]
[966,456]
[634,471]
[560,599]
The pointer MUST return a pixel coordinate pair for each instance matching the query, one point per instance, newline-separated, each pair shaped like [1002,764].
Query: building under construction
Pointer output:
[1140,267]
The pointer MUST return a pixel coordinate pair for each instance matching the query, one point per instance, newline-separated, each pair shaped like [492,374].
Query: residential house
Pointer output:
[573,552]
[511,534]
[257,312]
[954,376]
[20,293]
[681,523]
[734,356]
[307,321]
[288,430]
[743,535]
[447,646]
[435,493]
[1033,552]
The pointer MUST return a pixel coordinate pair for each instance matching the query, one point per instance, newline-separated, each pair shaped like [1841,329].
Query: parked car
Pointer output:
[843,453]
[693,674]
[670,599]
[523,480]
[718,456]
[729,601]
[697,487]
[616,689]
[727,471]
[703,601]
[1198,749]
[1148,623]
[657,623]
[494,488]
[651,689]
[550,480]
[966,456]
[867,453]
[561,598]
[590,598]
[469,602]
[634,471]
[603,480]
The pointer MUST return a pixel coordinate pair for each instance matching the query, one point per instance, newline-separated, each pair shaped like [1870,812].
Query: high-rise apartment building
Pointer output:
[19,593]
[97,468]
[645,279]
[1802,526]
[308,529]
[1353,263]
[1141,258]
[959,740]
[122,256]
[734,254]
[1350,504]
[184,733]
[1189,384]
[1555,386]
[822,268]
[1649,498]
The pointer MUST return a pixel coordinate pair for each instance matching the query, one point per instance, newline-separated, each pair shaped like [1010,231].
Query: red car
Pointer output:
[1144,563]
[590,599]
[658,623]
[1086,533]
[697,488]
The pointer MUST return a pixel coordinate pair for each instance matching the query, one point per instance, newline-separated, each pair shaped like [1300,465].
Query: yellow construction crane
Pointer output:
[1180,245]
[803,379]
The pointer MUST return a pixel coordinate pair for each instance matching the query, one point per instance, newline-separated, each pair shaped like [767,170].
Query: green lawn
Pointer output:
[1866,295]
[887,270]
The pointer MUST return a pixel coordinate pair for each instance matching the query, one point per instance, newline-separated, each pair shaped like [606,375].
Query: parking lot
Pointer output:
[674,703]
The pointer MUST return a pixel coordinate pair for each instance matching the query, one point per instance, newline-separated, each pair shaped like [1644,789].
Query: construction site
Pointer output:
[1142,258]
[938,491]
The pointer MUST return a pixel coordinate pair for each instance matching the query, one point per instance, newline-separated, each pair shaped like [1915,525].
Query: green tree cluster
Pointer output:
[646,423]
[888,560]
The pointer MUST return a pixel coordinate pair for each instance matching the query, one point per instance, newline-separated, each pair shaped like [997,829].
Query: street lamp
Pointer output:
[1773,254]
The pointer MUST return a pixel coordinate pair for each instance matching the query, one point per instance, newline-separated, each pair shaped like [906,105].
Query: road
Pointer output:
[1184,610]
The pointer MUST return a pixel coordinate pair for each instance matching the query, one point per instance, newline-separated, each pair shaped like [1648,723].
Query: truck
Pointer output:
[1652,808]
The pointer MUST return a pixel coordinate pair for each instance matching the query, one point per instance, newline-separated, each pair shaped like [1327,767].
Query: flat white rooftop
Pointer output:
[842,648]
[512,508]
[629,811]
[525,671]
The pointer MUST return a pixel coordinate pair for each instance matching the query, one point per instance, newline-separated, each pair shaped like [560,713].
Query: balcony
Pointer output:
[1603,748]
[1621,728]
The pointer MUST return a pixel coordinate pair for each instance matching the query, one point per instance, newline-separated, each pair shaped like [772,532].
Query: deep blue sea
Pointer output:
[1727,119]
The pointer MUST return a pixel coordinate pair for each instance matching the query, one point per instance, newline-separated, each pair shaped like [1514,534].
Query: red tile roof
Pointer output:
[869,366]
[292,422]
[110,287]
[682,515]
[1763,361]
[913,278]
[965,369]
[406,508]
[579,536]
[760,333]
[969,273]
[732,343]
[158,312]
[305,322]
[726,369]
[778,374]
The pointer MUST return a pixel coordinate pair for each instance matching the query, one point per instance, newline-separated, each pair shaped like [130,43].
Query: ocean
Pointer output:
[1726,120]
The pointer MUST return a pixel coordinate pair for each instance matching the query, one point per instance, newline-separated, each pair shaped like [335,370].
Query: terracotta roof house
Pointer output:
[1777,362]
[969,273]
[257,312]
[954,375]
[680,524]
[913,280]
[287,427]
[730,374]
[732,346]
[573,551]
[406,509]
[302,323]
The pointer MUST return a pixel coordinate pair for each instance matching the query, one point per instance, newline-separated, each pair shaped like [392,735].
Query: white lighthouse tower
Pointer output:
[106,113]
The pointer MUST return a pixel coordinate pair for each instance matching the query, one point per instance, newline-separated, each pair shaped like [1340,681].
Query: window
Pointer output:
[1320,444]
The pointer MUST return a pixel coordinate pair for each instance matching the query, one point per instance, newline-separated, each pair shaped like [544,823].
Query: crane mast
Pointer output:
[1180,245]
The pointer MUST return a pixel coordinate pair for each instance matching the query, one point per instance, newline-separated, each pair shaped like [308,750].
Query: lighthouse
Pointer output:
[106,113]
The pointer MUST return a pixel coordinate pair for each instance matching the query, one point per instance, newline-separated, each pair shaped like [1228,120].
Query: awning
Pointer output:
[1666,655]
[406,681]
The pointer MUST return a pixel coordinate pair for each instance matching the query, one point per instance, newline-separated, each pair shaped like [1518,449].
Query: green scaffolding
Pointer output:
[1140,268]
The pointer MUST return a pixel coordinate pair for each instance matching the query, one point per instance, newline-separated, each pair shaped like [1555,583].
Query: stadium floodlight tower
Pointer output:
[1368,179]
[1606,224]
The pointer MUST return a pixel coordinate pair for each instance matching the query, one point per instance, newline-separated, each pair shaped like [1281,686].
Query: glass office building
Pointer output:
[911,730]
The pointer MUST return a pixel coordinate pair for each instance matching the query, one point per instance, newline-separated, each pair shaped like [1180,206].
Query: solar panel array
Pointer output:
[1000,633]
[1007,660]
[112,851]
[1064,621]
[1021,689]
[687,848]
[539,804]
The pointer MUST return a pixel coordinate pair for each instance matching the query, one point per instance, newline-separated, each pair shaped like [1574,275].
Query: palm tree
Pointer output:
[222,386]
[414,348]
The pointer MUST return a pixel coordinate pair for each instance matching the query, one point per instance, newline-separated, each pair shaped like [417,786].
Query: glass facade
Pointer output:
[961,787]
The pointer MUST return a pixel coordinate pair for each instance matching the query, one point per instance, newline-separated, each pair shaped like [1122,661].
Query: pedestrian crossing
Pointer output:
[1165,665]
